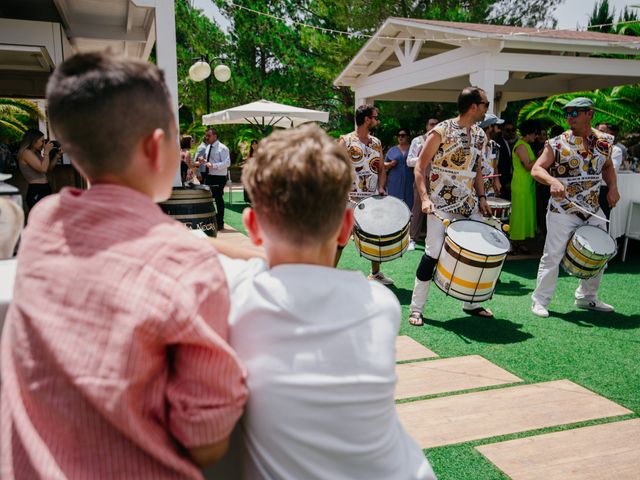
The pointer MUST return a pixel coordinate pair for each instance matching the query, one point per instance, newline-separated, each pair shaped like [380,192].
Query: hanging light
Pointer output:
[222,73]
[200,71]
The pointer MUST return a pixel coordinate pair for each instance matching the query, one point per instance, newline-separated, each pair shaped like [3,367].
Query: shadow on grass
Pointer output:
[485,330]
[403,294]
[512,288]
[588,318]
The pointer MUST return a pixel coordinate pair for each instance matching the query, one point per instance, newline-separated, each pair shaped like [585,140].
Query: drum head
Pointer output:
[478,237]
[8,189]
[381,216]
[595,240]
[498,202]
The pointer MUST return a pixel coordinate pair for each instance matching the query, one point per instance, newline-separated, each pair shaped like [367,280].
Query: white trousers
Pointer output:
[433,244]
[560,228]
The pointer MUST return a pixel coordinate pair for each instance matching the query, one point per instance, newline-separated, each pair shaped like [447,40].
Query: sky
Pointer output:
[571,14]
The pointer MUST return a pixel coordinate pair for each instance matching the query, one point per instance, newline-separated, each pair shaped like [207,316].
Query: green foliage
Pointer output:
[286,62]
[611,105]
[16,116]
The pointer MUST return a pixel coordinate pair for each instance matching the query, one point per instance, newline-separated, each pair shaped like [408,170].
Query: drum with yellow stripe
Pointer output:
[471,260]
[588,251]
[381,231]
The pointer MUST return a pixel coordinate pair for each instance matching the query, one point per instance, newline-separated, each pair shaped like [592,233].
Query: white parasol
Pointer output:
[264,113]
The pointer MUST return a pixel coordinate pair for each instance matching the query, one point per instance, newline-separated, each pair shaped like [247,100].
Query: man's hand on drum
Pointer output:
[427,206]
[613,196]
[381,191]
[557,189]
[485,209]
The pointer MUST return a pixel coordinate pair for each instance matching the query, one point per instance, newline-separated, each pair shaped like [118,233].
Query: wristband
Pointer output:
[481,196]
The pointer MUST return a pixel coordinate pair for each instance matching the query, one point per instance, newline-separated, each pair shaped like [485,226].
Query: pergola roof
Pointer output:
[430,60]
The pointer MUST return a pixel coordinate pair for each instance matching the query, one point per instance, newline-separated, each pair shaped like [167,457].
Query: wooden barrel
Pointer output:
[193,207]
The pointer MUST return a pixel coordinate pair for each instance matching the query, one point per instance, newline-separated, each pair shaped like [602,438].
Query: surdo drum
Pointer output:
[500,208]
[381,231]
[588,251]
[471,260]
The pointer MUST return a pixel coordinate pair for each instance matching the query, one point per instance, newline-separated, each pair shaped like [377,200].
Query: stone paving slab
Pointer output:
[408,349]
[478,415]
[449,375]
[610,451]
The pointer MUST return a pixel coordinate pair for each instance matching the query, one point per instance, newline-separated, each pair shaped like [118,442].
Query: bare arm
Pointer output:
[424,162]
[540,172]
[523,156]
[479,186]
[382,175]
[31,159]
[209,454]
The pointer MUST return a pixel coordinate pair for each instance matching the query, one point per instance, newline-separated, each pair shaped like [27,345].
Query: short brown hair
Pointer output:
[299,182]
[468,97]
[101,105]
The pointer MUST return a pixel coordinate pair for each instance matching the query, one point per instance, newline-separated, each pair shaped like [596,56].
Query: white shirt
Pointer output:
[218,155]
[617,155]
[414,150]
[319,348]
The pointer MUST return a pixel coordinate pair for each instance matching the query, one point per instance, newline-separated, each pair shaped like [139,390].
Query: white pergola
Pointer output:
[37,35]
[432,61]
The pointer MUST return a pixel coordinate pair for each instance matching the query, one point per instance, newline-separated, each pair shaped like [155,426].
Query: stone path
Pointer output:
[589,453]
[449,375]
[408,349]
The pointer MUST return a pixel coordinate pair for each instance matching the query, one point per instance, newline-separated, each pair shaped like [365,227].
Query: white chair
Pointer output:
[633,226]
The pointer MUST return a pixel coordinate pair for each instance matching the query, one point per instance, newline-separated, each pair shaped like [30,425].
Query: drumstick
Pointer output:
[492,176]
[445,221]
[588,212]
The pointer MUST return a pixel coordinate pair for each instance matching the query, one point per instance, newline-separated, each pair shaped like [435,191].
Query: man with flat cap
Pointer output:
[573,164]
[490,154]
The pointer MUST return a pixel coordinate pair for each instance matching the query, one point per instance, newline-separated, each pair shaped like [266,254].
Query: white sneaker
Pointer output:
[596,305]
[539,310]
[379,277]
[412,246]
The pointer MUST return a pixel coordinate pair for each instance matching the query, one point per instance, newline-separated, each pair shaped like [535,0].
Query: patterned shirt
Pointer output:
[114,351]
[578,165]
[453,168]
[366,160]
[489,166]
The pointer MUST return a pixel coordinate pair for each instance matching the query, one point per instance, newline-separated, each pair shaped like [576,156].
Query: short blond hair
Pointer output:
[299,182]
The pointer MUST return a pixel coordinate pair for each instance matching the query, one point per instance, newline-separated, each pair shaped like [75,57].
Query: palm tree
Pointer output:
[616,105]
[15,116]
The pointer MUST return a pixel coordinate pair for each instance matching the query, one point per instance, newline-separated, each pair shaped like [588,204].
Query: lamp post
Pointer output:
[201,70]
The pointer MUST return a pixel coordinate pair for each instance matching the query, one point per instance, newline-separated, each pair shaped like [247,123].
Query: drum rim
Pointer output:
[379,197]
[591,227]
[485,224]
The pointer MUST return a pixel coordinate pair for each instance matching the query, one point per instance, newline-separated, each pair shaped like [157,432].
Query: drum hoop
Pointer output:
[404,205]
[591,227]
[390,238]
[587,259]
[471,251]
[471,262]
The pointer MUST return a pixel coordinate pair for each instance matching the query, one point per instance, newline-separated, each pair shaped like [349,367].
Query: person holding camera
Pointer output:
[35,162]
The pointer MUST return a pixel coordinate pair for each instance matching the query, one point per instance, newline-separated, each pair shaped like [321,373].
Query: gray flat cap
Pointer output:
[490,119]
[579,102]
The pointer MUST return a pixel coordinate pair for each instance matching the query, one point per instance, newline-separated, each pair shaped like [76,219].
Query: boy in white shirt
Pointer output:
[318,343]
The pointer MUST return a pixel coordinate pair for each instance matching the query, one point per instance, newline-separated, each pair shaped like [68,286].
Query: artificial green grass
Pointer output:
[599,351]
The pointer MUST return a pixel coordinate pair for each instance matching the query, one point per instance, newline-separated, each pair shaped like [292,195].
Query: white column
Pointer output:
[487,80]
[165,24]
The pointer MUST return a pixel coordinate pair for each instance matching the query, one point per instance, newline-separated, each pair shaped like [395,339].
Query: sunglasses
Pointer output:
[573,113]
[402,134]
[484,103]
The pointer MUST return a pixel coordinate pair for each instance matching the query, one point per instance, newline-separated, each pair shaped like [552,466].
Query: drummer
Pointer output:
[492,185]
[573,165]
[365,152]
[454,151]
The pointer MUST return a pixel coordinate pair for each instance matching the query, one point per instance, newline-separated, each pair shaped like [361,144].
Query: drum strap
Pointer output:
[426,268]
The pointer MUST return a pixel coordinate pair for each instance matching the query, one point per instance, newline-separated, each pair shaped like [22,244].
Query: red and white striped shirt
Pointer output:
[114,352]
